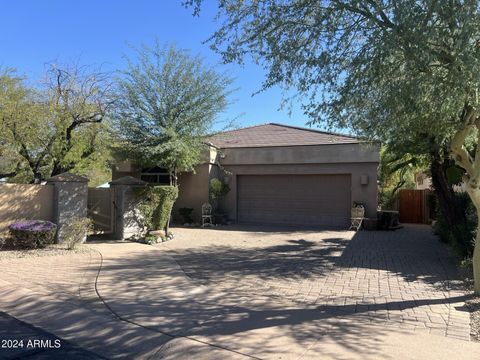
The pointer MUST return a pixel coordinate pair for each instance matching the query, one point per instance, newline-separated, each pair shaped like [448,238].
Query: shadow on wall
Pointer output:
[24,202]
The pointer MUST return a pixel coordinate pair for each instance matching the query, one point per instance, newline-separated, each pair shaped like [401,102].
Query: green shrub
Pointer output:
[152,239]
[218,188]
[387,198]
[32,233]
[186,213]
[75,230]
[156,205]
[461,236]
[466,269]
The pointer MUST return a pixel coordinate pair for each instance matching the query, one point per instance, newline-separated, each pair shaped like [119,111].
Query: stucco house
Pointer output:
[281,174]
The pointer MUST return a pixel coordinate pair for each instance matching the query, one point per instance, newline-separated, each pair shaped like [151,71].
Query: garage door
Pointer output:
[309,200]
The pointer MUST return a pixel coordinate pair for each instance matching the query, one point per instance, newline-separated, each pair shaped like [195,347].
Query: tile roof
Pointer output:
[272,134]
[67,177]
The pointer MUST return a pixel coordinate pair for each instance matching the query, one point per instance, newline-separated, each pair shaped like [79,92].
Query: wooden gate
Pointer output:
[414,207]
[101,210]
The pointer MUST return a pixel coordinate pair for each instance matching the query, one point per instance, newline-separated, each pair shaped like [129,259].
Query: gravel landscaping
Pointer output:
[466,272]
[474,306]
[7,252]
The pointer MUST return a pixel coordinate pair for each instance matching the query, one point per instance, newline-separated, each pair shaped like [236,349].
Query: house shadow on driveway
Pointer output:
[407,277]
[143,289]
[294,288]
[283,294]
[413,253]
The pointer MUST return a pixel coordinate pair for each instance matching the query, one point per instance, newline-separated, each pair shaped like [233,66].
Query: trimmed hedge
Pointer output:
[33,233]
[157,204]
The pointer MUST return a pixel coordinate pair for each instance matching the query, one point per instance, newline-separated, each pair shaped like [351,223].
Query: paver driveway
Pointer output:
[405,278]
[250,292]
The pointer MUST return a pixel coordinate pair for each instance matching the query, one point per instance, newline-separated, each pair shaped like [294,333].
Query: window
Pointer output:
[155,175]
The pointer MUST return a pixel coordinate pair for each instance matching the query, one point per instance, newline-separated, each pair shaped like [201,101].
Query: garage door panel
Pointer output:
[313,200]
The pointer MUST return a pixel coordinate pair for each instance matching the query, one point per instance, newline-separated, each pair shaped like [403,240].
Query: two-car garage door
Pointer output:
[308,200]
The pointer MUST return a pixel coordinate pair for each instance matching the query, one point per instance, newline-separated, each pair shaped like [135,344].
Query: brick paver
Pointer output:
[70,277]
[248,291]
[30,348]
[405,278]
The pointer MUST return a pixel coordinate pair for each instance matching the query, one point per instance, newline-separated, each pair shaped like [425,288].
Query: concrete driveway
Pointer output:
[251,292]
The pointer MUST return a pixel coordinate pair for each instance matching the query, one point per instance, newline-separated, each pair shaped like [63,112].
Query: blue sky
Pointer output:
[99,32]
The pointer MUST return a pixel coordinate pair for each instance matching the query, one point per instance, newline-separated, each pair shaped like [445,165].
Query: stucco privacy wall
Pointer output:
[70,199]
[24,202]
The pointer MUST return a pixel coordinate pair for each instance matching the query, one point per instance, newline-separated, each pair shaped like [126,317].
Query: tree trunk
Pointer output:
[474,194]
[58,169]
[476,261]
[471,165]
[8,174]
[447,201]
[37,177]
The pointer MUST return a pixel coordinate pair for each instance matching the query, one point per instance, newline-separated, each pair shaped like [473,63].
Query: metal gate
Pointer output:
[100,210]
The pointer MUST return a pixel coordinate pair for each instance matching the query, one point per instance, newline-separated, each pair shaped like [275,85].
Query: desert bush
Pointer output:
[75,230]
[32,233]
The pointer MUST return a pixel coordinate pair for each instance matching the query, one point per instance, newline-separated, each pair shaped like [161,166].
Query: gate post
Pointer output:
[126,222]
[69,199]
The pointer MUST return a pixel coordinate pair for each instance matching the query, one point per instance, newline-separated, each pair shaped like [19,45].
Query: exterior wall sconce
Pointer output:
[364,179]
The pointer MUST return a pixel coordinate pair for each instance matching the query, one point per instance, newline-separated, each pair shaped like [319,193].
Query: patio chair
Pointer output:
[356,220]
[207,216]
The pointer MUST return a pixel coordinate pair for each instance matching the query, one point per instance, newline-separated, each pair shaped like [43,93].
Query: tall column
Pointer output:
[69,200]
[127,222]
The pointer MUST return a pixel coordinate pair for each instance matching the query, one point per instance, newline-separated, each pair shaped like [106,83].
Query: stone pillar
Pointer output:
[127,221]
[69,199]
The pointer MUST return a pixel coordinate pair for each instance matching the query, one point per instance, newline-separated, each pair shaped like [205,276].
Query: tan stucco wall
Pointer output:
[192,191]
[318,154]
[25,202]
[356,160]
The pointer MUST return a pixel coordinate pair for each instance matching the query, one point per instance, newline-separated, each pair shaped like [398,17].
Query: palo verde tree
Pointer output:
[168,102]
[55,127]
[402,71]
